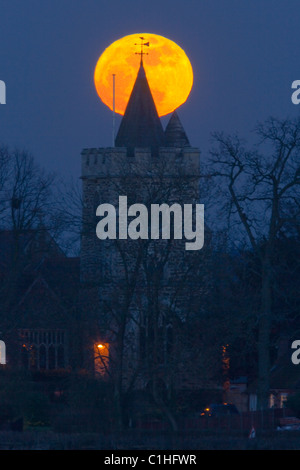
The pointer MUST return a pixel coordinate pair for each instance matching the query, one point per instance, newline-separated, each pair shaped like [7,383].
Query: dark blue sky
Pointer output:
[245,56]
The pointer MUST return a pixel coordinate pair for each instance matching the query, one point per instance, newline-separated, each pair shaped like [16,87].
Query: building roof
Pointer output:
[38,263]
[33,243]
[284,375]
[140,126]
[175,135]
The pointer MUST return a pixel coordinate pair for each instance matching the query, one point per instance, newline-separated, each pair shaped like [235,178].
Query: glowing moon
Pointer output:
[168,70]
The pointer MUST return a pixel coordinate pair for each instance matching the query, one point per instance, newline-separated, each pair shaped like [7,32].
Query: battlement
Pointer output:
[115,161]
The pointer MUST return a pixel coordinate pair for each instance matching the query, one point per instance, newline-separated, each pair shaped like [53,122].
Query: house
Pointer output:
[284,378]
[38,300]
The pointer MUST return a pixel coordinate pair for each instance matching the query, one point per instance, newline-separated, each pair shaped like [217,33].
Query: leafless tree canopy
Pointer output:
[263,181]
[261,189]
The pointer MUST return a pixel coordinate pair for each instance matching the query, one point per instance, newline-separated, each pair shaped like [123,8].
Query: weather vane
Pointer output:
[142,44]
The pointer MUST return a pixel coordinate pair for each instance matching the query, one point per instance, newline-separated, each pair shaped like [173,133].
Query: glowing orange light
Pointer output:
[168,69]
[101,357]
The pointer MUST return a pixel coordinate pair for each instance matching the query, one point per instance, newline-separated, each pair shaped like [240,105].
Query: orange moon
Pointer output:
[168,70]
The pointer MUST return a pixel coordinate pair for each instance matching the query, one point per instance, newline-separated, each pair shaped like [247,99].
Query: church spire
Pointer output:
[140,126]
[175,135]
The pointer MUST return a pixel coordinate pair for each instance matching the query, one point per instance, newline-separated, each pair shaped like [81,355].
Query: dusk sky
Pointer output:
[245,56]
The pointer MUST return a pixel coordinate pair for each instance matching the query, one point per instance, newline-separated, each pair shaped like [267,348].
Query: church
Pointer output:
[127,310]
[136,295]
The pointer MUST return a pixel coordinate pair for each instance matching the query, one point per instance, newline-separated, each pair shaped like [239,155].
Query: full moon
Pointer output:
[168,70]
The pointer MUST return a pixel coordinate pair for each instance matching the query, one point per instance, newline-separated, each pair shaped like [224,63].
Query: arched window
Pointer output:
[2,353]
[25,357]
[60,357]
[43,357]
[51,353]
[33,358]
[43,349]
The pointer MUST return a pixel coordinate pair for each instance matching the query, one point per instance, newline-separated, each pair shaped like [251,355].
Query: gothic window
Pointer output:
[43,355]
[51,357]
[25,357]
[164,341]
[2,353]
[43,349]
[33,358]
[60,357]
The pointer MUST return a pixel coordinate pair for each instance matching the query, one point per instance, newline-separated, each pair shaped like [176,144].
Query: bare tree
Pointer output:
[68,215]
[263,185]
[148,285]
[28,215]
[4,176]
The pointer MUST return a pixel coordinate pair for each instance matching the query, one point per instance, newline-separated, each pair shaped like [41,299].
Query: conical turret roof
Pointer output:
[140,125]
[175,135]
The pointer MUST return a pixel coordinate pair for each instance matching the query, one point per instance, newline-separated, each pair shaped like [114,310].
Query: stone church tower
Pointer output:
[128,286]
